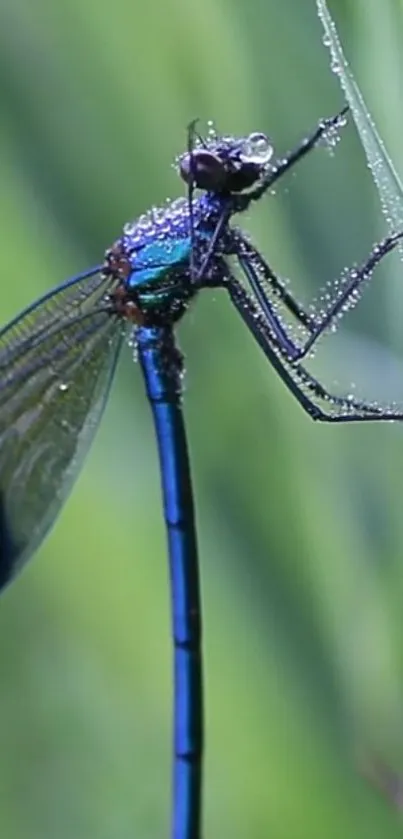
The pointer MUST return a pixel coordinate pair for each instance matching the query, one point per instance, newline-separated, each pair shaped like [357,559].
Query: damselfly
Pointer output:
[57,361]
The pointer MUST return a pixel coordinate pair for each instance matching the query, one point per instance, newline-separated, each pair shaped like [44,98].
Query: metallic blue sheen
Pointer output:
[152,260]
[161,363]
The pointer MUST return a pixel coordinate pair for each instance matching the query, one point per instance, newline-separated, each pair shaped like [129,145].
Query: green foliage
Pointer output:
[301,530]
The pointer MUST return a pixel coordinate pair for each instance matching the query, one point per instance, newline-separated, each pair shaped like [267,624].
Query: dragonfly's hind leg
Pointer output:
[256,269]
[313,397]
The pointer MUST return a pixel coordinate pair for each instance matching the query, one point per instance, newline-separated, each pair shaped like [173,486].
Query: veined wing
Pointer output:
[56,364]
[67,301]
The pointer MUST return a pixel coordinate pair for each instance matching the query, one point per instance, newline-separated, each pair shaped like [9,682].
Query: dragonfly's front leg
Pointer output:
[324,129]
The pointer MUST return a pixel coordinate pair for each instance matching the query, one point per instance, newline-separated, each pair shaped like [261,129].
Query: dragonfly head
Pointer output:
[226,164]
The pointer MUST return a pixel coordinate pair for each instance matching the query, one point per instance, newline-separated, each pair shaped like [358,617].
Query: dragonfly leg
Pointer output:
[314,398]
[241,245]
[191,134]
[346,295]
[283,164]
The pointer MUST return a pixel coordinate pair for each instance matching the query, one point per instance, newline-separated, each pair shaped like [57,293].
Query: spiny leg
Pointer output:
[252,263]
[308,391]
[277,285]
[191,134]
[325,127]
[219,230]
[197,275]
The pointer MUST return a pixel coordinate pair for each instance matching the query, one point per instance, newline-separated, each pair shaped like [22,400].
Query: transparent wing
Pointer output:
[56,364]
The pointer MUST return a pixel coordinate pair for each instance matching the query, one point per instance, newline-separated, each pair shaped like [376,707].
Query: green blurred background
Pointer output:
[301,526]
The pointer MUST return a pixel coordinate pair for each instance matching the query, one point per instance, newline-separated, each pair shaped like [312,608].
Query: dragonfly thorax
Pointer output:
[158,258]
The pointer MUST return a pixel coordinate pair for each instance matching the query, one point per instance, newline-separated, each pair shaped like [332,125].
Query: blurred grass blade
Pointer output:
[384,173]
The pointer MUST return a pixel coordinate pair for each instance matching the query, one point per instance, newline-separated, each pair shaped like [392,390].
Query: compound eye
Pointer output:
[204,169]
[256,149]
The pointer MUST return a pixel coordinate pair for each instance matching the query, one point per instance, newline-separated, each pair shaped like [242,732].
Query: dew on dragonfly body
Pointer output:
[211,130]
[257,148]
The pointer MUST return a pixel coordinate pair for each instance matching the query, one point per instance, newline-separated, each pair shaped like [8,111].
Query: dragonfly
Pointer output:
[58,358]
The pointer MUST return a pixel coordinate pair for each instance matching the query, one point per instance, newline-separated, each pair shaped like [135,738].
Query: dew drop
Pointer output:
[256,148]
[335,66]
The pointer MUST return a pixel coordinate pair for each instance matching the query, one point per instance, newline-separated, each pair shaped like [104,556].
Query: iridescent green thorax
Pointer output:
[156,253]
